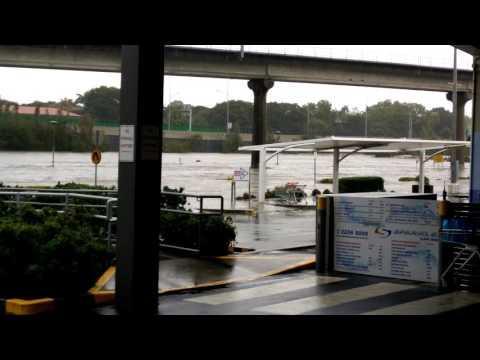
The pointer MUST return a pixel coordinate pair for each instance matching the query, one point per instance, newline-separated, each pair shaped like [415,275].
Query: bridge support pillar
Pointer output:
[260,88]
[462,98]
[475,149]
[139,180]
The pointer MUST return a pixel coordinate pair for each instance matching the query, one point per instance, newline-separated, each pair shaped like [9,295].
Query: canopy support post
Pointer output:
[336,164]
[421,175]
[262,174]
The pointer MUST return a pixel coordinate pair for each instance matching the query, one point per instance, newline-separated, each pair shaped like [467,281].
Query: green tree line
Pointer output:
[384,119]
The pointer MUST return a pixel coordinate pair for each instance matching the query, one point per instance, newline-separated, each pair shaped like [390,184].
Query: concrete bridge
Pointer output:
[261,69]
[182,61]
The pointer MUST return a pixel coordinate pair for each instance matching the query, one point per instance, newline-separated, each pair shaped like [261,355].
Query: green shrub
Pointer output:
[44,253]
[217,235]
[361,184]
[411,178]
[326,181]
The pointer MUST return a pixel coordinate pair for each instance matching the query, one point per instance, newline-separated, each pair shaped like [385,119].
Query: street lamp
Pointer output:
[53,122]
[228,106]
[366,121]
[410,123]
[170,106]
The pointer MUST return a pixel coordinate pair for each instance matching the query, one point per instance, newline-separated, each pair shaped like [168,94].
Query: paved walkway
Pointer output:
[306,293]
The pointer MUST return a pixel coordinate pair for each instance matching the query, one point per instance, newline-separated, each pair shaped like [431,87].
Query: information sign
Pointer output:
[396,238]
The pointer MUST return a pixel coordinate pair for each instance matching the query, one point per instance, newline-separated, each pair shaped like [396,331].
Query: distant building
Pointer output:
[38,110]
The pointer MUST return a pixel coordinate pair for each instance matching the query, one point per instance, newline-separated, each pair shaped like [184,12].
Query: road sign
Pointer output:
[96,156]
[240,175]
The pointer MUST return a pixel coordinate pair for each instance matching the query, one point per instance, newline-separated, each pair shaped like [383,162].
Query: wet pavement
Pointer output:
[306,293]
[180,272]
[275,228]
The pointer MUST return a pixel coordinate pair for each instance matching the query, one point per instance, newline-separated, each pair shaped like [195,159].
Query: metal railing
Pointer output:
[343,52]
[35,198]
[202,213]
[200,198]
[76,191]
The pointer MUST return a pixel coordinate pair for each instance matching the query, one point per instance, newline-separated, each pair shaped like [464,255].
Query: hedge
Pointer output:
[48,254]
[361,184]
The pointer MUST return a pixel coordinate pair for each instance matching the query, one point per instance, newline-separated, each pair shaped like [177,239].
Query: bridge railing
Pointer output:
[341,52]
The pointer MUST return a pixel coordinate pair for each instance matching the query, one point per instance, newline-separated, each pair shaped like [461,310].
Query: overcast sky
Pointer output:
[27,85]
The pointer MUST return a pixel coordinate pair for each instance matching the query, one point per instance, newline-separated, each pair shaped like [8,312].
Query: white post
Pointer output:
[336,163]
[314,168]
[421,176]
[262,175]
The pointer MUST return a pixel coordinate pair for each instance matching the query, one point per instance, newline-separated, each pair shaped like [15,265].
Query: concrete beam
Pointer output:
[181,61]
[291,68]
[62,57]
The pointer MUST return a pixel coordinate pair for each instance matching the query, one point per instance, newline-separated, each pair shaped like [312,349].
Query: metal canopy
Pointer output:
[350,145]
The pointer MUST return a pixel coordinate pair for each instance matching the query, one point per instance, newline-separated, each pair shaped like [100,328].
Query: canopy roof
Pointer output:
[355,143]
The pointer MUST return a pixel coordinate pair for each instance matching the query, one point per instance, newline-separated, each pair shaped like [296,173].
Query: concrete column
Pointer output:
[260,88]
[475,150]
[462,99]
[139,177]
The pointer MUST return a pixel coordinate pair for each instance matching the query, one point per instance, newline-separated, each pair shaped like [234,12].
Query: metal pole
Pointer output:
[410,125]
[453,157]
[421,175]
[191,118]
[97,135]
[169,107]
[366,122]
[307,132]
[228,107]
[53,146]
[336,163]
[96,175]
[262,174]
[314,168]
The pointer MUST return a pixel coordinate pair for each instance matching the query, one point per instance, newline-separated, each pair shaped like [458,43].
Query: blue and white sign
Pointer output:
[240,174]
[396,238]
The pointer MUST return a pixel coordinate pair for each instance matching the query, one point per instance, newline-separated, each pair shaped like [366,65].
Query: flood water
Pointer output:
[206,173]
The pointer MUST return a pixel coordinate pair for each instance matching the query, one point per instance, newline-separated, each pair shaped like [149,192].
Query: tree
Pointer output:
[102,103]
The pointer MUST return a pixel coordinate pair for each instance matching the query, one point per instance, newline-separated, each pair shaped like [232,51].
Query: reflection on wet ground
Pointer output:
[276,228]
[187,272]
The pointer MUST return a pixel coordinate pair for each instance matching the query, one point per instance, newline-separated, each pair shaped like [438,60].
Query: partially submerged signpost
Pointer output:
[96,156]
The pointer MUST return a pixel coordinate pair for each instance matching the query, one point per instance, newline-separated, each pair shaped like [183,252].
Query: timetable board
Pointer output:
[389,237]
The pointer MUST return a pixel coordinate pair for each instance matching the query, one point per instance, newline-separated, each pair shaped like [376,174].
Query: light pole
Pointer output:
[307,125]
[366,122]
[228,107]
[53,122]
[227,119]
[170,106]
[410,125]
[188,109]
[453,154]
